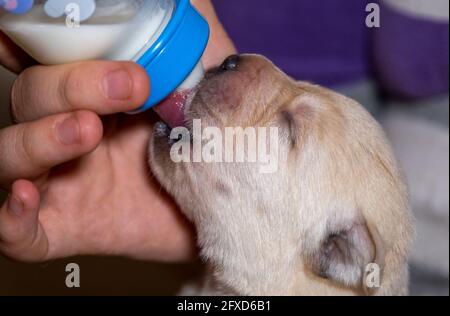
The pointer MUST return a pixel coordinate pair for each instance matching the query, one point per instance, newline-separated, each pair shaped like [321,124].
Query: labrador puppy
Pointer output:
[333,219]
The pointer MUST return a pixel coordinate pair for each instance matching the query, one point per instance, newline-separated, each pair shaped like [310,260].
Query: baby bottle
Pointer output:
[166,37]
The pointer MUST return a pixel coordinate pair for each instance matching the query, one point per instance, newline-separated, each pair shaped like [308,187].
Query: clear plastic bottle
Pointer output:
[166,37]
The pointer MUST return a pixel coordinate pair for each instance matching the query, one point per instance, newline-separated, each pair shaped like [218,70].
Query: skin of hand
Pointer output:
[75,166]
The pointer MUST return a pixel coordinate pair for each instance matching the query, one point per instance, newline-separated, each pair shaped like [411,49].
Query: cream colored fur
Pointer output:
[266,234]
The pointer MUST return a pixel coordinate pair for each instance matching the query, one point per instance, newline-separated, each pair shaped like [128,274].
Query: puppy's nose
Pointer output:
[231,63]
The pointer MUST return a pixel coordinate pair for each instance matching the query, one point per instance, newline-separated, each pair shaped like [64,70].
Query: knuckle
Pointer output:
[68,89]
[26,149]
[18,92]
[23,146]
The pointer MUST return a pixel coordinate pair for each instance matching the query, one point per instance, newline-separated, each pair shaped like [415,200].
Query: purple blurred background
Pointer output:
[328,42]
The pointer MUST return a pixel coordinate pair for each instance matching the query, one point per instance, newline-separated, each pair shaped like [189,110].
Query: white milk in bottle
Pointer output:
[166,37]
[117,30]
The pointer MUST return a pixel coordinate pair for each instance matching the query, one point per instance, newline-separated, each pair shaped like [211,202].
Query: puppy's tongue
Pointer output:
[171,110]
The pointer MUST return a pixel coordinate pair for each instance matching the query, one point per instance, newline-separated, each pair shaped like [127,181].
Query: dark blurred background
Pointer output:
[398,71]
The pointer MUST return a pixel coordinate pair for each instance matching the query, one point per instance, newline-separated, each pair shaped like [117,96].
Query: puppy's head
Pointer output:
[333,210]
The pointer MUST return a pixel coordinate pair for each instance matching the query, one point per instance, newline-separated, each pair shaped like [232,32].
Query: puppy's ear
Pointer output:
[344,255]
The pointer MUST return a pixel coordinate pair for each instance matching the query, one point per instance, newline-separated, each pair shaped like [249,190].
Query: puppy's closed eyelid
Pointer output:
[293,128]
[299,117]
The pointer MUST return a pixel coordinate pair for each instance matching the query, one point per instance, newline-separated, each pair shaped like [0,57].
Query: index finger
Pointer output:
[103,87]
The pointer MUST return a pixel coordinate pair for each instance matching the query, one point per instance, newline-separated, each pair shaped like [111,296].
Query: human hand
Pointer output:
[90,190]
[76,169]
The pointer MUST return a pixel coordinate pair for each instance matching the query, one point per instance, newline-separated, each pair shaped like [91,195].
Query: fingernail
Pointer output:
[118,85]
[15,205]
[69,131]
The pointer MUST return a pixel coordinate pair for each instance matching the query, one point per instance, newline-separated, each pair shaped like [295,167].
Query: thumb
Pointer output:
[21,235]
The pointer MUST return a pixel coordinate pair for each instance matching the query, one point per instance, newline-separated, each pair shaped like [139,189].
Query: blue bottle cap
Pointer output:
[174,55]
[17,6]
